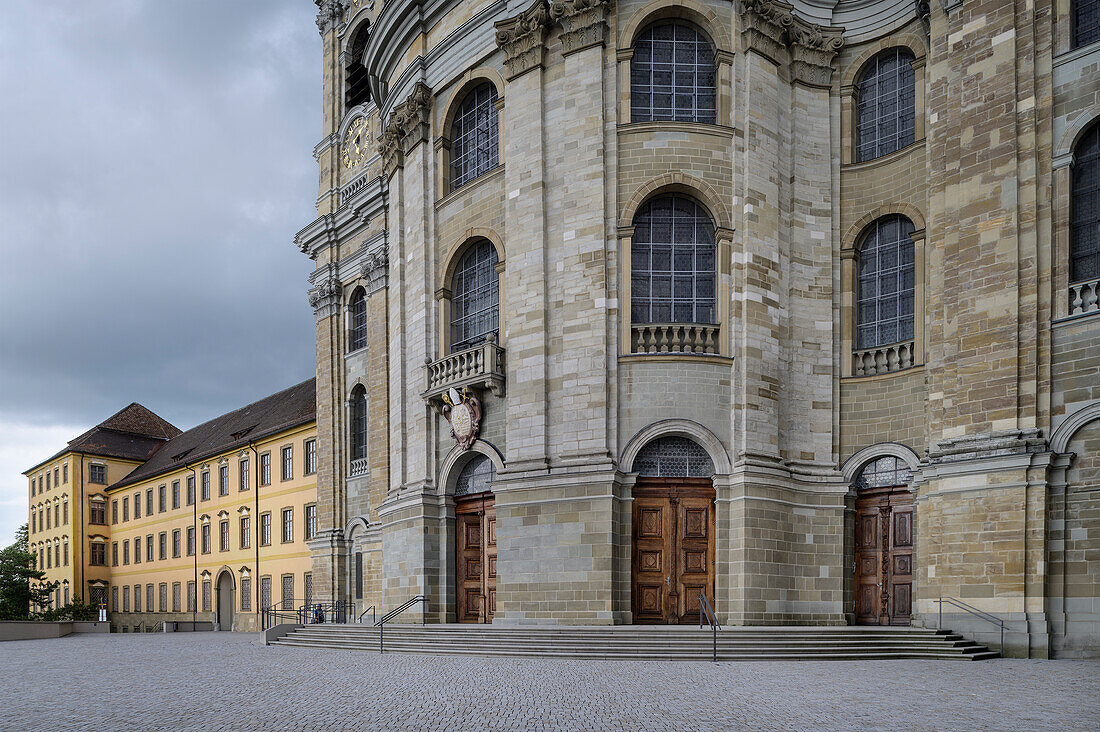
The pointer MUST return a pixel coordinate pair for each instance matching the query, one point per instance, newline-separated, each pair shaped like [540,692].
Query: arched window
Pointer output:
[358,426]
[477,476]
[886,283]
[475,296]
[884,472]
[1085,208]
[475,135]
[673,457]
[885,104]
[358,314]
[1086,22]
[356,84]
[672,263]
[673,75]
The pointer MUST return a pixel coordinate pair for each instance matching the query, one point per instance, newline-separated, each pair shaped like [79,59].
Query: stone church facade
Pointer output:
[625,303]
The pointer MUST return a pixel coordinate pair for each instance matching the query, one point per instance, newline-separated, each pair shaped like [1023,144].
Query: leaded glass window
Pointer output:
[358,321]
[475,296]
[477,476]
[1085,208]
[288,592]
[672,263]
[1086,22]
[885,104]
[475,135]
[673,457]
[884,472]
[886,283]
[673,75]
[358,423]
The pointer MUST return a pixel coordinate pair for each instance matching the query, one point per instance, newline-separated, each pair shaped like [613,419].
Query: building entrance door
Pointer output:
[476,558]
[225,601]
[672,558]
[884,556]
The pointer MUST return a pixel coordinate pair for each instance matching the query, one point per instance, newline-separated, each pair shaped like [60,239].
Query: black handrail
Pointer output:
[285,610]
[981,614]
[705,610]
[381,624]
[373,616]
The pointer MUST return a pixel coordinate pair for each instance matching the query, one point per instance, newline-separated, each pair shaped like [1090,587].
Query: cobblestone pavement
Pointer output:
[231,681]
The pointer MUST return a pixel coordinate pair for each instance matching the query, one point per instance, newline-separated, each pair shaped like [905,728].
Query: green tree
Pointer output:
[17,572]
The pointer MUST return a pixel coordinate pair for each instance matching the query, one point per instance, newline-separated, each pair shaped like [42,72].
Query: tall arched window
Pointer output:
[672,263]
[477,476]
[1085,208]
[358,425]
[885,104]
[475,135]
[475,296]
[1086,22]
[886,283]
[673,457]
[673,75]
[356,80]
[358,314]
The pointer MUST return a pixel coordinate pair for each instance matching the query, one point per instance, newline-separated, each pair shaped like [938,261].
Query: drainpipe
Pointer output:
[195,526]
[78,508]
[256,537]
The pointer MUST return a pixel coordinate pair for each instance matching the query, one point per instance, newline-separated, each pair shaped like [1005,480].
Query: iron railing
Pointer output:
[707,612]
[381,624]
[973,611]
[373,616]
[304,614]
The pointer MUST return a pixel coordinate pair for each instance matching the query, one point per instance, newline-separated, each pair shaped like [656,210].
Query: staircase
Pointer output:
[658,643]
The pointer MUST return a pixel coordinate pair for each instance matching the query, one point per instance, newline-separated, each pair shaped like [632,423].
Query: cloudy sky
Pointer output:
[155,163]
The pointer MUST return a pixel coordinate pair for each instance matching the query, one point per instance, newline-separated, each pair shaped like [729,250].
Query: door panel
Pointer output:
[652,576]
[475,559]
[696,552]
[884,557]
[901,555]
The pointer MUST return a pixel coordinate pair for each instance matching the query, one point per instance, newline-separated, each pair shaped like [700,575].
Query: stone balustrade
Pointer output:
[481,366]
[674,338]
[883,359]
[1084,297]
[358,467]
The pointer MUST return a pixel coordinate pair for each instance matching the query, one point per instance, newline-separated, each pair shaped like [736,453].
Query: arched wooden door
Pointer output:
[884,544]
[225,601]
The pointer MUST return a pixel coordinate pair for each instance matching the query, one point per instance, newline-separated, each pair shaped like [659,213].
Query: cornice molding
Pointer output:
[763,25]
[325,295]
[813,49]
[583,22]
[523,39]
[330,15]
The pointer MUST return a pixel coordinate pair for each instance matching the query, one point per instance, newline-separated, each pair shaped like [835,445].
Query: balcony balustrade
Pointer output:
[480,367]
[883,359]
[1084,297]
[674,338]
[358,467]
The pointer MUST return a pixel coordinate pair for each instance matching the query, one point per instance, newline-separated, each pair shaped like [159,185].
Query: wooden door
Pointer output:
[475,559]
[672,557]
[884,557]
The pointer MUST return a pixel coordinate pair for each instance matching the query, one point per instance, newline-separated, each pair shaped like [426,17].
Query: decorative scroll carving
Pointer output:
[325,297]
[583,22]
[523,39]
[330,13]
[813,49]
[376,270]
[409,125]
[763,25]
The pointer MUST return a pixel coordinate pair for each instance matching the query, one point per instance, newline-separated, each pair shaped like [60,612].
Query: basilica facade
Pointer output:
[623,304]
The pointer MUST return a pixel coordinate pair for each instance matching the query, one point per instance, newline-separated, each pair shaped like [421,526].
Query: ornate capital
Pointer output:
[763,23]
[409,125]
[376,270]
[583,22]
[325,297]
[522,39]
[330,14]
[813,48]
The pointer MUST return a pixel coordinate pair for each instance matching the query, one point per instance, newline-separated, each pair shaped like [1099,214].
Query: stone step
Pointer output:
[627,642]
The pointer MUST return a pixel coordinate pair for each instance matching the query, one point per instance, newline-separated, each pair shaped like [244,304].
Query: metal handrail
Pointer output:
[373,616]
[981,614]
[381,624]
[705,610]
[302,614]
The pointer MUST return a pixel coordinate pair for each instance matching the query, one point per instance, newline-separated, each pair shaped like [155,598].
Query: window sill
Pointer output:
[676,357]
[470,185]
[701,128]
[887,375]
[883,160]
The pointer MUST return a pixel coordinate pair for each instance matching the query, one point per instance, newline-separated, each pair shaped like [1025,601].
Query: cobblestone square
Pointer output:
[232,681]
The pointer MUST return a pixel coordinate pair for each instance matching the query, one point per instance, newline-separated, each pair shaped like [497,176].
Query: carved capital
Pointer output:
[330,13]
[376,270]
[813,49]
[325,297]
[409,125]
[583,22]
[763,25]
[523,39]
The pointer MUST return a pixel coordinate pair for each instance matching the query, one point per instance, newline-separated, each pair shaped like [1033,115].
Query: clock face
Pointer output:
[355,143]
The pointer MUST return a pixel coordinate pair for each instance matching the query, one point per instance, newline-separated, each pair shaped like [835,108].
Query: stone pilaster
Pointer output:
[583,22]
[523,40]
[764,24]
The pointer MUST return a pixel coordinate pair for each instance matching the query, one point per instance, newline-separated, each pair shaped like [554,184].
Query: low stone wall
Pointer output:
[33,629]
[91,626]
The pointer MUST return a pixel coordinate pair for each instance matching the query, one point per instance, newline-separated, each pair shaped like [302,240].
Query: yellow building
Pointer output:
[201,528]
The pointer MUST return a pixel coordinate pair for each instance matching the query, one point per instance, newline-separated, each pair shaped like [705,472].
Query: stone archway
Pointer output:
[224,590]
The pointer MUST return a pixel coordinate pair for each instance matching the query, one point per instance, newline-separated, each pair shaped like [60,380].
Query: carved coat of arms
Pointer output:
[463,411]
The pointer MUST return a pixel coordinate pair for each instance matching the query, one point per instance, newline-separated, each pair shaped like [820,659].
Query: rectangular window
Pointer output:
[308,578]
[57,514]
[190,541]
[137,598]
[206,486]
[149,502]
[65,506]
[149,548]
[65,546]
[311,521]
[47,480]
[288,592]
[125,553]
[48,518]
[114,553]
[163,606]
[245,539]
[126,509]
[97,512]
[223,480]
[190,490]
[34,522]
[288,525]
[265,529]
[149,595]
[176,592]
[137,550]
[206,538]
[311,457]
[175,542]
[358,575]
[191,607]
[246,594]
[288,463]
[65,478]
[162,544]
[265,469]
[55,477]
[206,596]
[224,536]
[242,475]
[137,505]
[265,592]
[114,599]
[114,512]
[162,498]
[126,599]
[175,494]
[97,474]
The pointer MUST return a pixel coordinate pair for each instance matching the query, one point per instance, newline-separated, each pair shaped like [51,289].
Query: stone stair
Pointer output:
[662,643]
